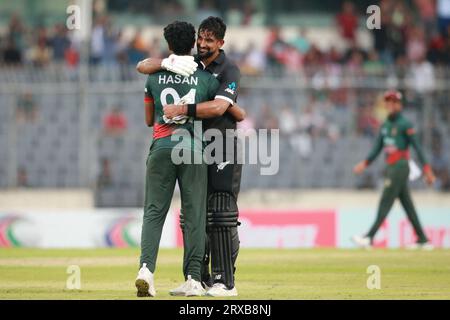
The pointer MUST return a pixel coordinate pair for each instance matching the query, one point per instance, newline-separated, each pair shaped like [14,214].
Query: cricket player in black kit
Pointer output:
[223,177]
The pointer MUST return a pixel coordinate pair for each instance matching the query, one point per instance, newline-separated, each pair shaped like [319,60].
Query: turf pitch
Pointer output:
[262,274]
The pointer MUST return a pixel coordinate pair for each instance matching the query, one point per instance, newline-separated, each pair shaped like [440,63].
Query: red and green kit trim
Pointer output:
[395,137]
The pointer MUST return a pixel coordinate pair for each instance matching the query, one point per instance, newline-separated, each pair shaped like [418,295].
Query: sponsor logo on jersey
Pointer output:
[231,88]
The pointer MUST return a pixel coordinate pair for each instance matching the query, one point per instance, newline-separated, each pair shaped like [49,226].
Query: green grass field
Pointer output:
[262,274]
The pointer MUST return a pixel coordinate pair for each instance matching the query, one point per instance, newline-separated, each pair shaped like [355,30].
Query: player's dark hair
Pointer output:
[215,25]
[180,37]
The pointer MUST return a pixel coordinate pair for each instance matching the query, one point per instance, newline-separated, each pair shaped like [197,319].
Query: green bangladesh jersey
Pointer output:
[396,135]
[164,88]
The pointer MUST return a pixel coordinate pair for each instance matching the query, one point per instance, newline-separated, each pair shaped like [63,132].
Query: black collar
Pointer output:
[219,60]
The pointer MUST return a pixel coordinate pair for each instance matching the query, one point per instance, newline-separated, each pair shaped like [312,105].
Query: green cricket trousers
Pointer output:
[161,177]
[396,186]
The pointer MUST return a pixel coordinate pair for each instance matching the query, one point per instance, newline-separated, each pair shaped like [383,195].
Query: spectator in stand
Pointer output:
[111,43]
[416,46]
[333,56]
[313,59]
[355,63]
[12,55]
[421,76]
[275,47]
[17,31]
[40,54]
[59,43]
[115,123]
[254,61]
[71,56]
[247,13]
[380,36]
[373,65]
[301,42]
[137,50]
[347,22]
[443,13]
[427,13]
[446,57]
[98,40]
[396,30]
[291,59]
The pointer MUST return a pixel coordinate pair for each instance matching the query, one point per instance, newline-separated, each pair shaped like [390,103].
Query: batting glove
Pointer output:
[182,65]
[181,119]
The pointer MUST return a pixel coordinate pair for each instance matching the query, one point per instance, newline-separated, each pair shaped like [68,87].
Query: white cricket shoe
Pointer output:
[190,288]
[144,282]
[363,242]
[181,290]
[220,290]
[426,246]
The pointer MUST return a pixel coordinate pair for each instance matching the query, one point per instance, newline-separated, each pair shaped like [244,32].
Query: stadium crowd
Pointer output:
[413,40]
[409,35]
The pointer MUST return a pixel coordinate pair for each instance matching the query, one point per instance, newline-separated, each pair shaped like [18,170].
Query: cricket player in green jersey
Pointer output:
[169,139]
[395,136]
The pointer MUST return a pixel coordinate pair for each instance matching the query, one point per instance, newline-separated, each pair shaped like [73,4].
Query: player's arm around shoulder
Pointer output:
[149,66]
[182,65]
[237,112]
[226,94]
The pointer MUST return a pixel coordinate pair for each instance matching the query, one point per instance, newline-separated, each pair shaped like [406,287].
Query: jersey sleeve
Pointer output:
[228,89]
[414,142]
[376,149]
[148,91]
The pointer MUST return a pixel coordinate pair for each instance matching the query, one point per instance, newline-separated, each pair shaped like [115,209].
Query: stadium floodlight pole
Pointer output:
[84,36]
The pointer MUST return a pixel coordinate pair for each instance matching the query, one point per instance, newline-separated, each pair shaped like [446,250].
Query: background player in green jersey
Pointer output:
[162,172]
[395,136]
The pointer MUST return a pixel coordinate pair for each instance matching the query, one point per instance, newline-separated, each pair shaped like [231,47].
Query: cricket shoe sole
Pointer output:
[220,290]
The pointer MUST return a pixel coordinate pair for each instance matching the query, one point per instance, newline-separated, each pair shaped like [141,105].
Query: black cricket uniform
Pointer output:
[228,75]
[223,181]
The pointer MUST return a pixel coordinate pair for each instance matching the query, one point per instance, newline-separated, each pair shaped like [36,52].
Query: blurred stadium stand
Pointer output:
[325,99]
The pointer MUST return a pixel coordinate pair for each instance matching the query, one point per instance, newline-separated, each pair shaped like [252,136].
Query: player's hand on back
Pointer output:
[172,110]
[182,65]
